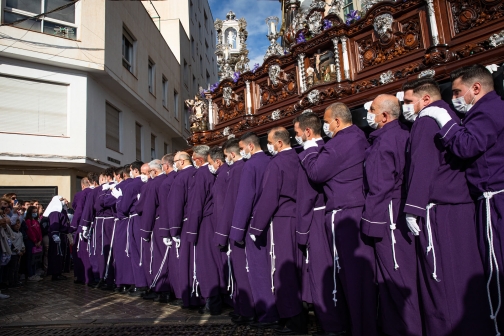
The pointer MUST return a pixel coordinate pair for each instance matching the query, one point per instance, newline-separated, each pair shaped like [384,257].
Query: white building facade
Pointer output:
[84,87]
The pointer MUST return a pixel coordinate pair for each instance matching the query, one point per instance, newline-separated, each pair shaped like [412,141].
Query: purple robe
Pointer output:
[480,141]
[199,230]
[148,216]
[165,268]
[80,260]
[219,207]
[399,312]
[274,218]
[127,207]
[88,220]
[58,226]
[103,231]
[178,205]
[453,304]
[338,165]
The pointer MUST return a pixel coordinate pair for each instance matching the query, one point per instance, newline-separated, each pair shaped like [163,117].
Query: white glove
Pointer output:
[412,222]
[116,193]
[437,113]
[367,105]
[309,143]
[492,67]
[177,241]
[253,237]
[400,95]
[106,186]
[167,241]
[56,239]
[85,232]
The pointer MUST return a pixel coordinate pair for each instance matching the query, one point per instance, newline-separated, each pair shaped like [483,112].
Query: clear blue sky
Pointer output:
[254,12]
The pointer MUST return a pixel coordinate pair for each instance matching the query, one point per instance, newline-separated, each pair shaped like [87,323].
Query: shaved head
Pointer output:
[340,111]
[387,103]
[280,133]
[145,169]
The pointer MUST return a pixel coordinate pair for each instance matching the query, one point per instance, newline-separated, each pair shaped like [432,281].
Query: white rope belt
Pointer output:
[230,276]
[336,265]
[319,208]
[392,236]
[78,243]
[58,246]
[158,274]
[272,258]
[151,254]
[110,250]
[431,242]
[246,259]
[493,259]
[195,279]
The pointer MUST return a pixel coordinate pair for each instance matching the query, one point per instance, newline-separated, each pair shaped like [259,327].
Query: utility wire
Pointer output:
[40,15]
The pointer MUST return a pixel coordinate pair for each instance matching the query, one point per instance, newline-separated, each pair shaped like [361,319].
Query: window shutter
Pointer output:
[33,107]
[112,125]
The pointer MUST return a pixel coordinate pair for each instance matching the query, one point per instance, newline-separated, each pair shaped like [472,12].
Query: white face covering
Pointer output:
[272,150]
[299,140]
[229,162]
[245,155]
[212,169]
[460,104]
[371,120]
[144,178]
[409,112]
[327,131]
[131,174]
[175,169]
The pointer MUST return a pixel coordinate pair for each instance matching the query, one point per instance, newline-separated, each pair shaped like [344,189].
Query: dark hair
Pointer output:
[474,73]
[341,111]
[126,171]
[280,133]
[119,171]
[309,120]
[33,201]
[426,85]
[216,153]
[137,165]
[30,211]
[232,145]
[250,137]
[109,172]
[168,158]
[93,177]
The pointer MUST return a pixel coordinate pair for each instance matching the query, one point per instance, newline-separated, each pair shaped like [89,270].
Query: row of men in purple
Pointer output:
[395,234]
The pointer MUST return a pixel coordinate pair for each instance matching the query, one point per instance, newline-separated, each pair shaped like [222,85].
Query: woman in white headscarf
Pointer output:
[58,227]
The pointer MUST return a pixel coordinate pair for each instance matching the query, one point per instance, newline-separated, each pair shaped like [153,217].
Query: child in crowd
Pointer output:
[17,249]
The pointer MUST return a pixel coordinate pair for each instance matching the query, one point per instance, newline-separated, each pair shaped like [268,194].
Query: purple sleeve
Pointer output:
[223,225]
[322,163]
[196,203]
[268,201]
[77,205]
[478,134]
[176,206]
[108,201]
[88,213]
[149,212]
[424,164]
[243,206]
[305,203]
[380,177]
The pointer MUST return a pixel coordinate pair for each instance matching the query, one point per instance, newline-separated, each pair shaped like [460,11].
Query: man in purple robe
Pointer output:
[250,259]
[313,233]
[244,310]
[218,167]
[162,242]
[338,166]
[148,217]
[274,219]
[58,227]
[384,221]
[129,277]
[199,230]
[440,211]
[178,206]
[78,205]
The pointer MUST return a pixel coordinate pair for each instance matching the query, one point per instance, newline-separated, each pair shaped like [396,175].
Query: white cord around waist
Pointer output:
[127,237]
[110,250]
[336,265]
[230,275]
[158,274]
[430,246]
[195,279]
[272,257]
[392,236]
[151,254]
[493,259]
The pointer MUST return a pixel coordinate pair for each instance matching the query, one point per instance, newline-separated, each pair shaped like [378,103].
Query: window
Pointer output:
[112,125]
[138,141]
[128,43]
[206,20]
[165,92]
[195,88]
[207,77]
[33,107]
[175,103]
[347,7]
[152,75]
[193,48]
[59,23]
[165,147]
[186,118]
[186,72]
[153,146]
[201,64]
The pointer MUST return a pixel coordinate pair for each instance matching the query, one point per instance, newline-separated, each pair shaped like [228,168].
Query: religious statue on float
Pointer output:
[199,114]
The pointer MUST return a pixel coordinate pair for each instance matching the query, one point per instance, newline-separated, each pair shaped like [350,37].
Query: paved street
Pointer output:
[63,308]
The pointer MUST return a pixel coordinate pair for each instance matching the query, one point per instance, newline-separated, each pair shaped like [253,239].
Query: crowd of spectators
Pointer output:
[24,242]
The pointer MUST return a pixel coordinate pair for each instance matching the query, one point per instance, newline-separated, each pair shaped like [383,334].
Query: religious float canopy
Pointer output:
[326,60]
